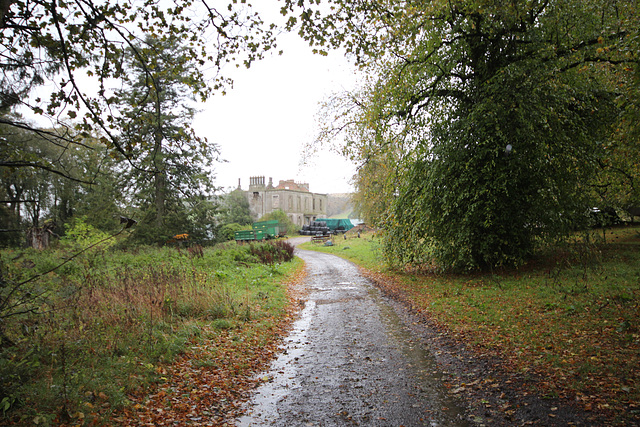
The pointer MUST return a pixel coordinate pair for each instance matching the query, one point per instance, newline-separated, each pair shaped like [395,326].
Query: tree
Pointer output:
[10,235]
[227,231]
[30,193]
[13,181]
[156,114]
[235,208]
[102,200]
[234,215]
[376,182]
[283,218]
[81,46]
[501,113]
[35,195]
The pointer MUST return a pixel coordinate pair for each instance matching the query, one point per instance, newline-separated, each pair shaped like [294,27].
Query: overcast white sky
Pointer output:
[263,123]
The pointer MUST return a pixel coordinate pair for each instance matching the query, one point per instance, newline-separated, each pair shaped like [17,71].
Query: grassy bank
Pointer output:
[569,319]
[88,342]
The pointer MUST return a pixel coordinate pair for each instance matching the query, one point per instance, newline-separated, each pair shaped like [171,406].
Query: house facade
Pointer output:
[301,205]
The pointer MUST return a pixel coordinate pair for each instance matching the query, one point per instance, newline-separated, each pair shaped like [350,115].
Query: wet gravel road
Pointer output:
[349,360]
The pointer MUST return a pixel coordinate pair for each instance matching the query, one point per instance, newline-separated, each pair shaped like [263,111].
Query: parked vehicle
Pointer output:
[603,217]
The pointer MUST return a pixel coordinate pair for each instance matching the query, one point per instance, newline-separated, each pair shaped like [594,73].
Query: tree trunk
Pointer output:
[4,8]
[160,180]
[38,237]
[15,195]
[160,185]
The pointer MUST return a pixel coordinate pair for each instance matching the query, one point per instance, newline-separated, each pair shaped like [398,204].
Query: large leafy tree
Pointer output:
[83,182]
[235,208]
[156,114]
[79,48]
[503,113]
[75,53]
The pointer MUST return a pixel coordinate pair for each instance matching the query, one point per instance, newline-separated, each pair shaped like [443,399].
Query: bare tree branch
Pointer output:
[20,164]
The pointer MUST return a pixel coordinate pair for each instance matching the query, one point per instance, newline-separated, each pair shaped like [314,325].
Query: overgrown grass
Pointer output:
[570,318]
[365,251]
[78,341]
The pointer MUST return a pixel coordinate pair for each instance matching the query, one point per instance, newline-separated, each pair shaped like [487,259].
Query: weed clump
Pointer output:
[272,252]
[76,342]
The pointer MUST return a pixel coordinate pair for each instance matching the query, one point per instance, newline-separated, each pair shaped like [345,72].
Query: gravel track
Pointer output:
[358,357]
[350,360]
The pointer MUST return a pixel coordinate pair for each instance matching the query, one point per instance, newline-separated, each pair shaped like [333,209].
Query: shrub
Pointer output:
[227,231]
[272,252]
[286,248]
[100,327]
[82,235]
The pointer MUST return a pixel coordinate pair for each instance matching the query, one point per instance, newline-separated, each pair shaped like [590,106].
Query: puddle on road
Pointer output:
[424,365]
[341,286]
[346,285]
[281,378]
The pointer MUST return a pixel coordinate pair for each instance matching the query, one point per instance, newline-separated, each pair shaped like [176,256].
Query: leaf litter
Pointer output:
[209,383]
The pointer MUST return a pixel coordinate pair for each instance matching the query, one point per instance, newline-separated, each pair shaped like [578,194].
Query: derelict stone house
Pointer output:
[295,199]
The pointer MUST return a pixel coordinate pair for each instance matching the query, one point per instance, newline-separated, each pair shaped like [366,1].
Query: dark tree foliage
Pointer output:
[81,52]
[235,208]
[502,115]
[156,119]
[82,181]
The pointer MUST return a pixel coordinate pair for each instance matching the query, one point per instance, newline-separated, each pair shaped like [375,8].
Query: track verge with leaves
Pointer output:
[565,326]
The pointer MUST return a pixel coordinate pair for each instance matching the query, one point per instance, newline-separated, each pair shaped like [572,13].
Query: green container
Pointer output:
[244,235]
[249,235]
[271,229]
[262,230]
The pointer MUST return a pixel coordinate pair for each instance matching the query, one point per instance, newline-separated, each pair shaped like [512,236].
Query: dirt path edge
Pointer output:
[493,395]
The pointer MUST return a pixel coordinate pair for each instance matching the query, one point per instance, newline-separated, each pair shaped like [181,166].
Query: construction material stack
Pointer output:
[326,226]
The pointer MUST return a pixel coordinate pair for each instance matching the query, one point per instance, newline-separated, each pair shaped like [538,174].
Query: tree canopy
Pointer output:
[235,208]
[79,49]
[85,70]
[157,119]
[488,127]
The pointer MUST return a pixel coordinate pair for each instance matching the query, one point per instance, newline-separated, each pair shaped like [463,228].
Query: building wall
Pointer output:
[300,205]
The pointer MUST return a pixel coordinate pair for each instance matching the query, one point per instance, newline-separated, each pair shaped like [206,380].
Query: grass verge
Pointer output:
[87,343]
[569,319]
